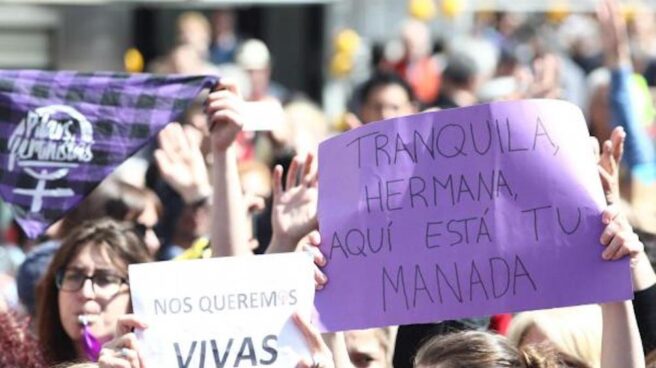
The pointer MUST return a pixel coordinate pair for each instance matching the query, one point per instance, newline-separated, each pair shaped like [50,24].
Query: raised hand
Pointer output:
[294,209]
[609,164]
[123,351]
[615,37]
[181,163]
[226,111]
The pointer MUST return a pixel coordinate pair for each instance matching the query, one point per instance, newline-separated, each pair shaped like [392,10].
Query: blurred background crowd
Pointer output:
[331,65]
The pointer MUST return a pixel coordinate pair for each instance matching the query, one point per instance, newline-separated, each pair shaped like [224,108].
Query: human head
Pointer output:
[306,126]
[140,206]
[193,222]
[253,56]
[30,272]
[91,207]
[194,30]
[185,59]
[97,246]
[370,348]
[650,359]
[416,39]
[598,101]
[385,96]
[574,332]
[476,349]
[461,72]
[223,22]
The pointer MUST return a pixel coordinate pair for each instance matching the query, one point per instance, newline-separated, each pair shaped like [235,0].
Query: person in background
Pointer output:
[139,206]
[254,57]
[459,82]
[193,29]
[225,40]
[417,66]
[371,348]
[573,333]
[383,96]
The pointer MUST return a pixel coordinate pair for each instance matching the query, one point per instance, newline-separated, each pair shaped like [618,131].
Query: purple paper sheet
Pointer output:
[464,212]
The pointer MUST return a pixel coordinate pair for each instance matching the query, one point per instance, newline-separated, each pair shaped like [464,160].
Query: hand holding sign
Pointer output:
[294,211]
[618,236]
[123,350]
[242,318]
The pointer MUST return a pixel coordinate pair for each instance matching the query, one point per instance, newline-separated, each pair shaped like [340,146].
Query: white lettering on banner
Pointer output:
[46,144]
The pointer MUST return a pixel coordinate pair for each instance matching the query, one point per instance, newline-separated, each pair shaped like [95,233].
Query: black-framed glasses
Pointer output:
[103,282]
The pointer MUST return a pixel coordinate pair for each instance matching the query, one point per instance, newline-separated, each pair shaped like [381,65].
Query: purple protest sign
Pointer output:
[61,133]
[460,213]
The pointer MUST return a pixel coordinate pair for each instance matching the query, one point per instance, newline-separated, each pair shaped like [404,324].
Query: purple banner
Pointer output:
[61,133]
[460,213]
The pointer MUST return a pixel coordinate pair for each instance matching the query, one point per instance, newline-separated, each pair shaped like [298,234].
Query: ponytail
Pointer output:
[532,358]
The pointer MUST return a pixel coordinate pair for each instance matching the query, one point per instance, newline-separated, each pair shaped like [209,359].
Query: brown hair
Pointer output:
[475,349]
[91,207]
[123,246]
[651,359]
[129,201]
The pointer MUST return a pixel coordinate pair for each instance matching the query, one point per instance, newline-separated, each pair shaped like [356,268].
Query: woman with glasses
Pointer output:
[85,290]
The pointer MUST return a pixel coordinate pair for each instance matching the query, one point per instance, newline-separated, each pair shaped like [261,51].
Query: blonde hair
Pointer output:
[194,18]
[478,349]
[575,332]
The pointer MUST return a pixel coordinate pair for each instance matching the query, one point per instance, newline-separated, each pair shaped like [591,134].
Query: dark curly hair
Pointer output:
[18,346]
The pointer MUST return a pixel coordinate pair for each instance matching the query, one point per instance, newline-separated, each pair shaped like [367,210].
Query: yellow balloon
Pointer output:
[133,61]
[629,11]
[558,13]
[347,41]
[340,124]
[423,10]
[341,64]
[451,8]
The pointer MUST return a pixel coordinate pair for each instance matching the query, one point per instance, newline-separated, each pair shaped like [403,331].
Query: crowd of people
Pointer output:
[209,188]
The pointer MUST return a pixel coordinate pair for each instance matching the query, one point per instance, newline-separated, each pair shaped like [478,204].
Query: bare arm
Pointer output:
[621,342]
[620,345]
[225,109]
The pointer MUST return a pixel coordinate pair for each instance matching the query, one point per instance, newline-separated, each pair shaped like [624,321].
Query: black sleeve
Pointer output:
[644,306]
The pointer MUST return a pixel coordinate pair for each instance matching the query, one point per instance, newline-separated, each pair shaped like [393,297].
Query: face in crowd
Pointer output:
[386,96]
[369,348]
[87,281]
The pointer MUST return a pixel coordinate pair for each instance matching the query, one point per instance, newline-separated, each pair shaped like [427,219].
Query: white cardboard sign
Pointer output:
[223,312]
